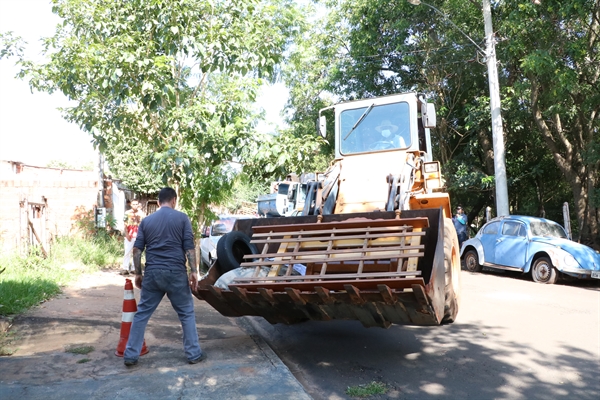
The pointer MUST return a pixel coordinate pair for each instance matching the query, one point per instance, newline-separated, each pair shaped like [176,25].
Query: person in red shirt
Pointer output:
[133,217]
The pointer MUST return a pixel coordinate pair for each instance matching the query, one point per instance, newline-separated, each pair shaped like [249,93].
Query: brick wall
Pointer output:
[66,193]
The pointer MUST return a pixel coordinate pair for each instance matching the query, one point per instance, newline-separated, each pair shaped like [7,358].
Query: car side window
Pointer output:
[523,230]
[491,229]
[511,228]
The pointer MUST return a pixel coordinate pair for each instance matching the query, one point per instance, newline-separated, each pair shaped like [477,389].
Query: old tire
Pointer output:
[452,273]
[472,261]
[543,271]
[231,249]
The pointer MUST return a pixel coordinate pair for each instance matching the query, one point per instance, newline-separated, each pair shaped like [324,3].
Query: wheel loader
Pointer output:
[375,241]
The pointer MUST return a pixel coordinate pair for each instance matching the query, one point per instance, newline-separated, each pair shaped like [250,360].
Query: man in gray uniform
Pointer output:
[168,240]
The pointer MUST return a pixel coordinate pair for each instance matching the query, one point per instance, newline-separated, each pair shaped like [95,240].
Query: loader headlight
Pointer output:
[431,167]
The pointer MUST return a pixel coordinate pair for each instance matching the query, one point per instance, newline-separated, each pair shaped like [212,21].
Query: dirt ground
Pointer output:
[89,299]
[89,312]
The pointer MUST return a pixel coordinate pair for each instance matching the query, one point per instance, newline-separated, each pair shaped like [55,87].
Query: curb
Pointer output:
[248,326]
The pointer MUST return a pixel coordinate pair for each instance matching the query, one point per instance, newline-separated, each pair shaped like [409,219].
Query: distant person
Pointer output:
[460,224]
[133,217]
[166,236]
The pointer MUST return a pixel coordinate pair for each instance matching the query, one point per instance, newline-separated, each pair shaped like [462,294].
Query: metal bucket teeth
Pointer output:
[356,269]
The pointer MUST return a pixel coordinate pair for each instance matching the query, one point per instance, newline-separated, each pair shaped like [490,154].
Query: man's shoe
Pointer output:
[124,272]
[130,363]
[197,360]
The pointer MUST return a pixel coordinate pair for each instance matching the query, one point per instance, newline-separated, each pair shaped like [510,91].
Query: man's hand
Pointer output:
[138,281]
[193,280]
[193,277]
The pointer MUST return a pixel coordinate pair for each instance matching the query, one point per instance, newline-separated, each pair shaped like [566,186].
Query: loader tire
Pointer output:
[231,249]
[452,268]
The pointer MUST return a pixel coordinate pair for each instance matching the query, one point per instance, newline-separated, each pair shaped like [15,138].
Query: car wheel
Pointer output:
[452,288]
[231,249]
[543,271]
[472,261]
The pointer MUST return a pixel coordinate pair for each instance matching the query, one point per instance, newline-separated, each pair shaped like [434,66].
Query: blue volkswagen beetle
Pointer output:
[521,243]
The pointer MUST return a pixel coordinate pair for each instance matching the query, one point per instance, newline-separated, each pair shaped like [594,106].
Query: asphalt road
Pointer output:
[514,339]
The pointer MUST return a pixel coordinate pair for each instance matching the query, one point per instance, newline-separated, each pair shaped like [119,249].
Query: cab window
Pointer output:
[382,127]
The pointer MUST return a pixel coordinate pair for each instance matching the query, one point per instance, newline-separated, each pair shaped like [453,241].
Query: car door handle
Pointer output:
[499,240]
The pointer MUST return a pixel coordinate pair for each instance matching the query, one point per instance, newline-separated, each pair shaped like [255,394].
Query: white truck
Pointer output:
[287,201]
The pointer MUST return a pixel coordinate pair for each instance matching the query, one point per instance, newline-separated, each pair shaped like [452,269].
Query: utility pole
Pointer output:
[497,132]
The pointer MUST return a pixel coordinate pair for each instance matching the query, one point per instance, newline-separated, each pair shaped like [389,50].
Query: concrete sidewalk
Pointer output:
[239,364]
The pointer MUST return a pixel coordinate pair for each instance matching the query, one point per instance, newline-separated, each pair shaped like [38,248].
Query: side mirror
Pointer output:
[205,232]
[322,126]
[428,114]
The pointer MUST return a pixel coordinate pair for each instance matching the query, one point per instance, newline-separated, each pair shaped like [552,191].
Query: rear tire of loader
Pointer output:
[452,267]
[231,249]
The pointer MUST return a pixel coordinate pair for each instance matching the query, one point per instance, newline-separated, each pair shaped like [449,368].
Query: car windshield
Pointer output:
[547,229]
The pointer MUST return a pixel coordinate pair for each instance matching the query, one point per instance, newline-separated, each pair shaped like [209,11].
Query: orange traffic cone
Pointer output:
[129,310]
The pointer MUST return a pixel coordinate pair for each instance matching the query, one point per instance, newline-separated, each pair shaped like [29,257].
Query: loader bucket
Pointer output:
[379,268]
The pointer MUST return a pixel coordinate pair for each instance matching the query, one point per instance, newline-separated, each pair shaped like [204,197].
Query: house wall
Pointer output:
[67,194]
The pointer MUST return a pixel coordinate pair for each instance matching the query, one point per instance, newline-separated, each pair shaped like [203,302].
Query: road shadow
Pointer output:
[565,280]
[458,361]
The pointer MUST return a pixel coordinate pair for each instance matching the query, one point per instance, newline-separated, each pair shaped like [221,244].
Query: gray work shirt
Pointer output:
[165,235]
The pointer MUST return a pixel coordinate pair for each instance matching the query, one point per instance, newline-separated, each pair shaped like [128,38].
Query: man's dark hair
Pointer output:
[166,195]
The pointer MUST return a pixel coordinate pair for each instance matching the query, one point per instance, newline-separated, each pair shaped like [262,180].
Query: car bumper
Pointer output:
[582,273]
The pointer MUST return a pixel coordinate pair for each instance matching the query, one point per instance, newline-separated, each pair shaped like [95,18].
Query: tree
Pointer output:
[374,47]
[177,77]
[556,55]
[129,160]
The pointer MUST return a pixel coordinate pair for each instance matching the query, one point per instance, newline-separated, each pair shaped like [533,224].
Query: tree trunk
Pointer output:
[568,159]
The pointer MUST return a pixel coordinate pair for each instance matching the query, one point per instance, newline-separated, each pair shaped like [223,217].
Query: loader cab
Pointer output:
[386,124]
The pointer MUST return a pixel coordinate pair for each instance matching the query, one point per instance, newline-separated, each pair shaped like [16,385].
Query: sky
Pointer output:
[32,129]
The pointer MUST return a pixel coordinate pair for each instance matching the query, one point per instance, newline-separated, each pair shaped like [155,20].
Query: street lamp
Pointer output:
[497,134]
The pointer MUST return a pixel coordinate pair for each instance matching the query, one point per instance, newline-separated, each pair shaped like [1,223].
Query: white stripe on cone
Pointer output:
[127,317]
[129,295]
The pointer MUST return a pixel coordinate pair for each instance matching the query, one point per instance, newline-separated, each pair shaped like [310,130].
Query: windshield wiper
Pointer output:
[363,116]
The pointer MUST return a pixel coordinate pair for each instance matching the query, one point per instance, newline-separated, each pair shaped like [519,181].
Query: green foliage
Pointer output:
[101,251]
[129,160]
[548,64]
[367,390]
[12,46]
[79,349]
[27,281]
[554,61]
[166,84]
[277,156]
[245,191]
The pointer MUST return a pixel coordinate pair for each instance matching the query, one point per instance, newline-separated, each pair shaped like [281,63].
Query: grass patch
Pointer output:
[369,389]
[26,281]
[84,360]
[31,280]
[79,350]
